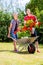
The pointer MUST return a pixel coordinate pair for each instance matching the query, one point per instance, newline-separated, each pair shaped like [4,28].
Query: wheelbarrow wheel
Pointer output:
[31,48]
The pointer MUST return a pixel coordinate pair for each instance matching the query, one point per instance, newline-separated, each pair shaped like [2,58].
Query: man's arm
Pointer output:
[36,18]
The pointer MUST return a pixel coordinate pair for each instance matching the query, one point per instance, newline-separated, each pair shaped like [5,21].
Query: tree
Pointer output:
[21,15]
[35,4]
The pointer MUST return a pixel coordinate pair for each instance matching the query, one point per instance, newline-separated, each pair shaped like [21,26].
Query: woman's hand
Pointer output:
[8,35]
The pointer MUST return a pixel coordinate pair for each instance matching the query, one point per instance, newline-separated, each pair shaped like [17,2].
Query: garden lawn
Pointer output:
[8,57]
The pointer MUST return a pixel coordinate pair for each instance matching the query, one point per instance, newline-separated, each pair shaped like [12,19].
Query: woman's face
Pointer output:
[28,11]
[15,16]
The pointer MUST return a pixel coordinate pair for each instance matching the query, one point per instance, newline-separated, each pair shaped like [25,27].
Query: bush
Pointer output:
[5,19]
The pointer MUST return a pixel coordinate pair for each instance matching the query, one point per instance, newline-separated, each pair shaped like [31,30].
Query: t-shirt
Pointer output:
[15,24]
[31,17]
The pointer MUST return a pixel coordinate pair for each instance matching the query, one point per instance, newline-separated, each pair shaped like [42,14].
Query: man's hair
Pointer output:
[26,9]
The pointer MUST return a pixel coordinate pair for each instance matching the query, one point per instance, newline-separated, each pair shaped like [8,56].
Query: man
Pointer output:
[30,16]
[13,30]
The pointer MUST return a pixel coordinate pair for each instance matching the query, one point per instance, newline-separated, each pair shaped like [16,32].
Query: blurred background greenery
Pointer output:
[36,7]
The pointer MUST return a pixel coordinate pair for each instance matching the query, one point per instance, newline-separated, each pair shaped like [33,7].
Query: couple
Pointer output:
[14,26]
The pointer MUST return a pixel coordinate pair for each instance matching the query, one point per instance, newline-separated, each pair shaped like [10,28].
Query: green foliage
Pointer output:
[3,32]
[5,19]
[21,16]
[23,34]
[35,4]
[41,15]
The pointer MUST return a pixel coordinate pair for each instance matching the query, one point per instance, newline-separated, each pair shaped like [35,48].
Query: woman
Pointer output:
[13,30]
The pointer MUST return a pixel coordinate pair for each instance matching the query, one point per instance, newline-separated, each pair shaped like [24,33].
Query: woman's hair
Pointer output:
[15,14]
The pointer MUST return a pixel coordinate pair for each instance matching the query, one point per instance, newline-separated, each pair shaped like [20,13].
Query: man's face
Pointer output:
[15,16]
[28,11]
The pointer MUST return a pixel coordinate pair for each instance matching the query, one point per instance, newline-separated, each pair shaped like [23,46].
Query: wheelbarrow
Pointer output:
[27,42]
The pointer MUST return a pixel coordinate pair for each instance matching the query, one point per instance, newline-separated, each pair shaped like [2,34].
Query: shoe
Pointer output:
[16,50]
[38,51]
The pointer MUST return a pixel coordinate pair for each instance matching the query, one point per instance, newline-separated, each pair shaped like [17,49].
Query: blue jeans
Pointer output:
[13,35]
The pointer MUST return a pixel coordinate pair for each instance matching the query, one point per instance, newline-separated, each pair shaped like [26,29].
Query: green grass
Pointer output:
[7,57]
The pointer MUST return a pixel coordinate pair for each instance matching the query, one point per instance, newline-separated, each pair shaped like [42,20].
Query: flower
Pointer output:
[29,22]
[37,25]
[24,28]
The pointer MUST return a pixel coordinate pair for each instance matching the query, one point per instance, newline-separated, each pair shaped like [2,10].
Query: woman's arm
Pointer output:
[9,29]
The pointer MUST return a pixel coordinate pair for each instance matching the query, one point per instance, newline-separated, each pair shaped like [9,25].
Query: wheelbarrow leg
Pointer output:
[24,47]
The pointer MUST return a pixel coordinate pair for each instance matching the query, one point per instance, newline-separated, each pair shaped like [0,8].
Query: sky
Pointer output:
[15,4]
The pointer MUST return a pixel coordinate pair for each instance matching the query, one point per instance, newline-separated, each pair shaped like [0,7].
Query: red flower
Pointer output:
[32,24]
[39,23]
[24,28]
[30,28]
[15,32]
